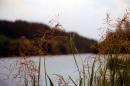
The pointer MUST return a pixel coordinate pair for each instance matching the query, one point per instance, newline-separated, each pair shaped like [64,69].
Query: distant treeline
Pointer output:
[21,38]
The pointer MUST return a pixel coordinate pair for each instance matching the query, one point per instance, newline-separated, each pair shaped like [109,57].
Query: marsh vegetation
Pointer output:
[110,67]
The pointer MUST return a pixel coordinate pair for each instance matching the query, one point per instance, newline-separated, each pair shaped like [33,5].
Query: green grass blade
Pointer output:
[84,75]
[51,83]
[39,69]
[72,81]
[92,74]
[25,82]
[81,82]
[45,74]
[72,46]
[34,82]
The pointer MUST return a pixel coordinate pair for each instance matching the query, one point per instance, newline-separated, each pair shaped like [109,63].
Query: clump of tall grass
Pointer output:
[119,70]
[110,70]
[26,72]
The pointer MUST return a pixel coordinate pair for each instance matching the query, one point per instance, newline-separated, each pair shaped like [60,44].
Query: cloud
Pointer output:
[122,4]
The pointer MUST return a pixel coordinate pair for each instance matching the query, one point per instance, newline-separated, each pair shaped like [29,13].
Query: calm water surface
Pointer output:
[63,65]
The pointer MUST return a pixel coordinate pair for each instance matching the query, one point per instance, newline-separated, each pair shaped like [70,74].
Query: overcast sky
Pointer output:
[82,16]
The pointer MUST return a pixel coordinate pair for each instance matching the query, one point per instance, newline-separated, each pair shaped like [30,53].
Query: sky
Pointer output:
[85,17]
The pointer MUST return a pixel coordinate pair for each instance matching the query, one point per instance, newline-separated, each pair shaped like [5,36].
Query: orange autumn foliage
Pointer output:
[117,41]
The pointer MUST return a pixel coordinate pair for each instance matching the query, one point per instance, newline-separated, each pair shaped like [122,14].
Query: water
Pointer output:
[63,65]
